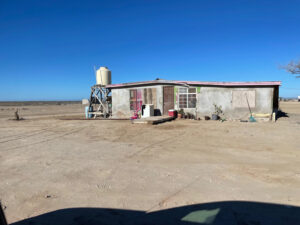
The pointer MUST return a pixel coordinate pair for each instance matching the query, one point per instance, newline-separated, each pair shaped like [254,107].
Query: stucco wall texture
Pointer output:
[223,97]
[206,98]
[121,101]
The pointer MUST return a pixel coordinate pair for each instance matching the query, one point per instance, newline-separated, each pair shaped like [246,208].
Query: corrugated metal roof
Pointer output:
[195,83]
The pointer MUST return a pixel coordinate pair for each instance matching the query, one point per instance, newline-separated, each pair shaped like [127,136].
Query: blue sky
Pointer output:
[48,48]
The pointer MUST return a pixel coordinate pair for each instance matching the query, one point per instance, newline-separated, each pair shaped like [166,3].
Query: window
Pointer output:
[149,96]
[187,98]
[136,99]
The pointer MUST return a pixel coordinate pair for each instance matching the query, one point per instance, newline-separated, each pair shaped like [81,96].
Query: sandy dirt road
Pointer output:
[48,164]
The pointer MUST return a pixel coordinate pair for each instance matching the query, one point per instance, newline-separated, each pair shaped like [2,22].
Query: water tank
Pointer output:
[103,76]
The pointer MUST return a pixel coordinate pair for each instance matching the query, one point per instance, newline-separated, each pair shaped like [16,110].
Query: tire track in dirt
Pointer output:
[129,157]
[15,135]
[145,149]
[23,135]
[172,195]
[52,137]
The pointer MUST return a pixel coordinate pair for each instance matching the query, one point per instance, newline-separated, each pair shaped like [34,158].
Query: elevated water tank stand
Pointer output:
[100,101]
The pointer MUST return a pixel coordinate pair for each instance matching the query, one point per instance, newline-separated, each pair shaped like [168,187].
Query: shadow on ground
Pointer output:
[281,114]
[216,213]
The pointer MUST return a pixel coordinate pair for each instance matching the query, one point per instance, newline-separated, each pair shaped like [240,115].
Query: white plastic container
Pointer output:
[148,111]
[103,76]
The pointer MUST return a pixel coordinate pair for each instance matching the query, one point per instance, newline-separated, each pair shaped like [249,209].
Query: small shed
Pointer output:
[195,97]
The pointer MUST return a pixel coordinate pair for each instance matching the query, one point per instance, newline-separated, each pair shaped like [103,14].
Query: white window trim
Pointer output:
[187,97]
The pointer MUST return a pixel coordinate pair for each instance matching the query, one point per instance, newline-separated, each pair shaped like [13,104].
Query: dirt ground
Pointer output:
[47,163]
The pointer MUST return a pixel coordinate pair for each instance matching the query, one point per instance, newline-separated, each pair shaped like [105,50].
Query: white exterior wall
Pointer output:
[223,97]
[121,100]
[120,103]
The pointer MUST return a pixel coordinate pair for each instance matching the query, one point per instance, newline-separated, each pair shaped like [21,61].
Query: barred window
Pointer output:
[136,99]
[187,97]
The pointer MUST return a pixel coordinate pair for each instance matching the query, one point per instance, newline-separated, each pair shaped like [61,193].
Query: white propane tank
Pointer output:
[103,76]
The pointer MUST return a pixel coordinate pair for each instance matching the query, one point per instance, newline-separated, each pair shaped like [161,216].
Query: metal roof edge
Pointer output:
[204,83]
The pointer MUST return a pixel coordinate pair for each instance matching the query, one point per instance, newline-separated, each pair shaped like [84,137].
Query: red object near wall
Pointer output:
[173,113]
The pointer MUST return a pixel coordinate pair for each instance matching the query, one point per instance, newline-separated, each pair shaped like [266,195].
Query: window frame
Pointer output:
[135,100]
[184,94]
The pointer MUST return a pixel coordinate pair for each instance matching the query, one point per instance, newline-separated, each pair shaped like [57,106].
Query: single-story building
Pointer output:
[195,97]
